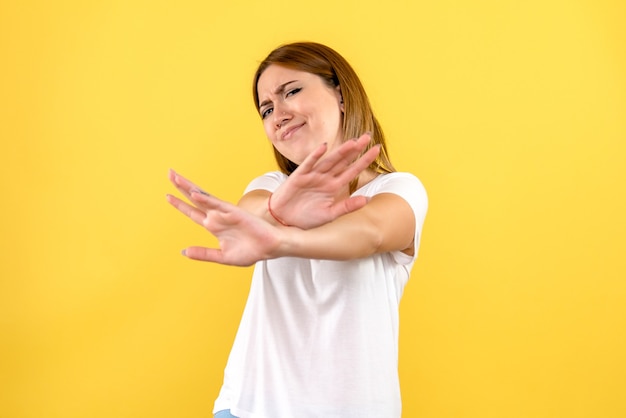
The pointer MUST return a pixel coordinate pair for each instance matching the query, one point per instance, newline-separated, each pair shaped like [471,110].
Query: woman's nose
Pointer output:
[281,116]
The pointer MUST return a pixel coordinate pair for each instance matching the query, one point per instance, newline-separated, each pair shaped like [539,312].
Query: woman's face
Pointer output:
[299,111]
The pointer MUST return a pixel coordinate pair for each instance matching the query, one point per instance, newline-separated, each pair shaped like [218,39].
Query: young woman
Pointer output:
[333,236]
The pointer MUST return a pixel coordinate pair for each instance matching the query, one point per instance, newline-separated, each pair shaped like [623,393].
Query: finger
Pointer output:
[182,184]
[203,254]
[208,202]
[215,207]
[312,159]
[361,164]
[343,156]
[348,205]
[188,210]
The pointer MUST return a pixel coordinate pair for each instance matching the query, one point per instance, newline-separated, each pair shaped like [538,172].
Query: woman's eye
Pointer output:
[293,91]
[266,112]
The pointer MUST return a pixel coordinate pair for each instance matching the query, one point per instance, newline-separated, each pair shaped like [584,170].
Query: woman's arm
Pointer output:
[386,223]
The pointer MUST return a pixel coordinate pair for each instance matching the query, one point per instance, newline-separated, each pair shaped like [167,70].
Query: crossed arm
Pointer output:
[327,223]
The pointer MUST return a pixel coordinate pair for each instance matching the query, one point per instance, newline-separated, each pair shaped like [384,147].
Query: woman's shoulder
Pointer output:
[268,181]
[395,179]
[403,184]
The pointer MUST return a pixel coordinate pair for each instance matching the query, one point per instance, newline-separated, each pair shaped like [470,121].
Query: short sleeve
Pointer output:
[268,181]
[411,189]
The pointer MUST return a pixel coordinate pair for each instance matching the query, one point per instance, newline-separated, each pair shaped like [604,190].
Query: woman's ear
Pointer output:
[340,97]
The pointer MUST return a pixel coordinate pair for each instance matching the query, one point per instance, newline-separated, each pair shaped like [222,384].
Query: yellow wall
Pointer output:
[513,113]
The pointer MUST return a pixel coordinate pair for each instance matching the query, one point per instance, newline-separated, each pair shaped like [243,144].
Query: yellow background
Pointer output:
[513,114]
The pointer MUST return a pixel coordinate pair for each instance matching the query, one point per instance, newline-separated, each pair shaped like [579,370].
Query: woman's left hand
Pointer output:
[317,192]
[243,238]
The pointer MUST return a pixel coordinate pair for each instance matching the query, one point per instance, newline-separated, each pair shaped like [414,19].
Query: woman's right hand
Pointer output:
[317,192]
[243,238]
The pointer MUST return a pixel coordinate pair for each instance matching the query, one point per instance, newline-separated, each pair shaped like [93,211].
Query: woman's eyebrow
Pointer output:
[278,90]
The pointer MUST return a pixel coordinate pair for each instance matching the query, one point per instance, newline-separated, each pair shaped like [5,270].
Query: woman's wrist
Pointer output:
[272,213]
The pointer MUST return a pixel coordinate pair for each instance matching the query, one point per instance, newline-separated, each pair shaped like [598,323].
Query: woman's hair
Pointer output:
[326,63]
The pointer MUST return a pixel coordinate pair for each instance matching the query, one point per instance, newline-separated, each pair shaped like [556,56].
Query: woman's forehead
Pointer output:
[275,76]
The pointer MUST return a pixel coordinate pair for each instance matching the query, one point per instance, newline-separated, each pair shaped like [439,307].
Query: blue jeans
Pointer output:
[224,414]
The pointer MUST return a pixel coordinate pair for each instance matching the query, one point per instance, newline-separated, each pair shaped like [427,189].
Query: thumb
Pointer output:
[351,204]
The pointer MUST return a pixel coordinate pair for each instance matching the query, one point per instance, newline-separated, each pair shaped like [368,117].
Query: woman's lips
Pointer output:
[289,132]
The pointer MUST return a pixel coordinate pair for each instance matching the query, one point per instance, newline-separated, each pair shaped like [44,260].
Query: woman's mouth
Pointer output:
[290,131]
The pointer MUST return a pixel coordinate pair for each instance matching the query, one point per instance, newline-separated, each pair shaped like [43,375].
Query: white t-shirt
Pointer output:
[319,338]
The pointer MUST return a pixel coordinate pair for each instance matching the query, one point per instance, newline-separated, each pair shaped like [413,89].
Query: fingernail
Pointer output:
[184,252]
